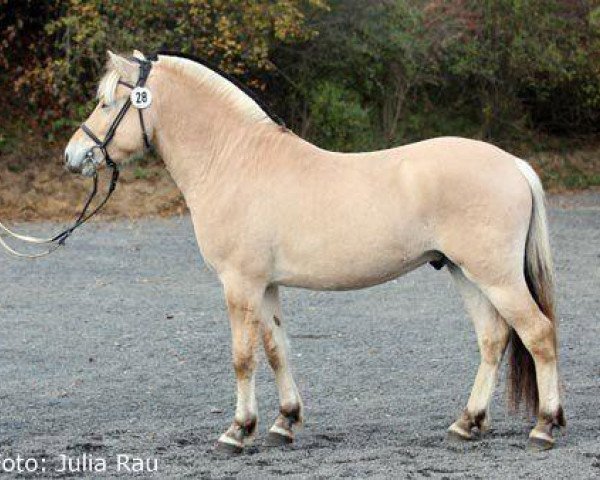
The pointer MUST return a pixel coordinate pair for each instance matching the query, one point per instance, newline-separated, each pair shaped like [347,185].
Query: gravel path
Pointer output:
[120,345]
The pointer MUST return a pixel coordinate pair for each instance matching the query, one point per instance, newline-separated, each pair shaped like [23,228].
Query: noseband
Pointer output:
[102,145]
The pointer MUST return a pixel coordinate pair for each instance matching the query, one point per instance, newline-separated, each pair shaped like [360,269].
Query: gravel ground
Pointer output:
[120,345]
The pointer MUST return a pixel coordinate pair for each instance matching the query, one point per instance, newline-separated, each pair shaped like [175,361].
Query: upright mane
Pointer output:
[219,83]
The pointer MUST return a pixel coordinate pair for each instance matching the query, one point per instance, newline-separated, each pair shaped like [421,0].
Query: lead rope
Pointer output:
[59,240]
[15,253]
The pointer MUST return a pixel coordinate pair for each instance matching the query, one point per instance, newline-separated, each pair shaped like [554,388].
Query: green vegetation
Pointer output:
[347,74]
[493,69]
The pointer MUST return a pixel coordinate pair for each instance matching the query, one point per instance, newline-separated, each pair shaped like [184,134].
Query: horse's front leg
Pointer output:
[276,349]
[244,304]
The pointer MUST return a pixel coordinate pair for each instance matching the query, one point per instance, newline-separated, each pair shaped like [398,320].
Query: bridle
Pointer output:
[145,67]
[101,145]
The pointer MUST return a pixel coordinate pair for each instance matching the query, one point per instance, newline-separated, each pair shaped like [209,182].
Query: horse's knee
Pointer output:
[244,350]
[245,326]
[244,361]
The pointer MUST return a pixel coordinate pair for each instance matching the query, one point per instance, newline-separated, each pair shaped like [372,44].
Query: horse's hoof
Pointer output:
[537,444]
[454,437]
[228,449]
[457,433]
[275,439]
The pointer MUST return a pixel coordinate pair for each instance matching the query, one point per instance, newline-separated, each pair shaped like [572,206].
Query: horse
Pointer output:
[271,210]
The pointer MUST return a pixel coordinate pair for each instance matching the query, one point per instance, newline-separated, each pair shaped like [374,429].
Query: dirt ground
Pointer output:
[48,192]
[119,345]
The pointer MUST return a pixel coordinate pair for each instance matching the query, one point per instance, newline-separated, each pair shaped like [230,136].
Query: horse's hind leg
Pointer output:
[492,337]
[538,334]
[276,349]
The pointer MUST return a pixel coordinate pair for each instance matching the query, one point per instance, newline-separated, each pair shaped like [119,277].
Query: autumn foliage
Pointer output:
[55,50]
[348,74]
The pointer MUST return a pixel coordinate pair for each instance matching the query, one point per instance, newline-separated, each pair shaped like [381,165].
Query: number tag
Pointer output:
[141,97]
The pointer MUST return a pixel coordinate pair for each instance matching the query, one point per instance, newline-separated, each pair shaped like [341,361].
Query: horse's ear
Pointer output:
[127,69]
[138,54]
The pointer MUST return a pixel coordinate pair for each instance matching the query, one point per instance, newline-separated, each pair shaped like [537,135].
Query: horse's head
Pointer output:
[115,127]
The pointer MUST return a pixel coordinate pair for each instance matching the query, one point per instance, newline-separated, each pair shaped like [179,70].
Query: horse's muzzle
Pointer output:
[71,167]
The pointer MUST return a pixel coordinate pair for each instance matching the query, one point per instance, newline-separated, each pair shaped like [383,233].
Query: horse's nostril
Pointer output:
[66,158]
[73,168]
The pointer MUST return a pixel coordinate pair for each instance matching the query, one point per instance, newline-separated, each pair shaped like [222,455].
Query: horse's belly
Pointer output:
[348,280]
[347,269]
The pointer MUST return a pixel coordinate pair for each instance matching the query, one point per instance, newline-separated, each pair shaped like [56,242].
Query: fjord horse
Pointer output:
[270,209]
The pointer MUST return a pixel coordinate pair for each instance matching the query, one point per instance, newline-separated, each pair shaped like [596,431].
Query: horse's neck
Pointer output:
[207,149]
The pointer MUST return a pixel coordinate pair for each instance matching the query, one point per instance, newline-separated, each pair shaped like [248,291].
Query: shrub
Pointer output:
[337,120]
[65,46]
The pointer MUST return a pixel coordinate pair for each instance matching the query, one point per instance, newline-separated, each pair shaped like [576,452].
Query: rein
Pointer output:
[59,240]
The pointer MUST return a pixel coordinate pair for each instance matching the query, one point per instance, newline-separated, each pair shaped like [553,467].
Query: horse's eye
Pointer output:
[104,105]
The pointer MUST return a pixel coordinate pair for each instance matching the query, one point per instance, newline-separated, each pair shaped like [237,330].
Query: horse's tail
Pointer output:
[522,384]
